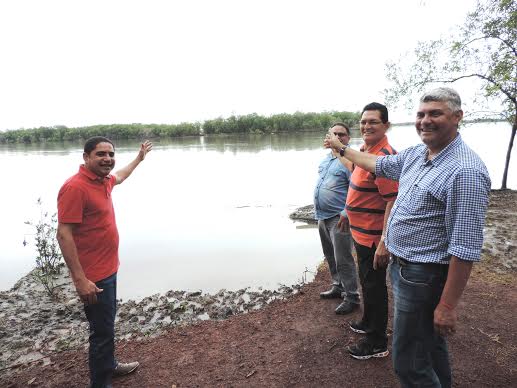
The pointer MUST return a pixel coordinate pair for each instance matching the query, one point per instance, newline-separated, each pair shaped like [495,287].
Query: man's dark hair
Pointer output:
[340,124]
[92,142]
[381,108]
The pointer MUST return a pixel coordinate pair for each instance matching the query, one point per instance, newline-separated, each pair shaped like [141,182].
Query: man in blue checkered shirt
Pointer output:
[434,234]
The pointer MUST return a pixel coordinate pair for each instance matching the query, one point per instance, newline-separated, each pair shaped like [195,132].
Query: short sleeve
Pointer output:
[388,189]
[70,205]
[112,182]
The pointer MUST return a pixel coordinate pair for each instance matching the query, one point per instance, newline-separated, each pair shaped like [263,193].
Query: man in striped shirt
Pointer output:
[368,205]
[434,234]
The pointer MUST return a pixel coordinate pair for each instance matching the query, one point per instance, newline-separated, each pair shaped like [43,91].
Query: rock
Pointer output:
[225,312]
[30,320]
[304,213]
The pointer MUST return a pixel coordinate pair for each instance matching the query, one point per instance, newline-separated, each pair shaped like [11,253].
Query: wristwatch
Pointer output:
[342,150]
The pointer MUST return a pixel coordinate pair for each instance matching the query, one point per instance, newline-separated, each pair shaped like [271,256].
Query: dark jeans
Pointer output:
[420,355]
[101,317]
[375,295]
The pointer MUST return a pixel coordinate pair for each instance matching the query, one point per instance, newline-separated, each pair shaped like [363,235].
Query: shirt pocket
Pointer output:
[335,179]
[426,196]
[417,197]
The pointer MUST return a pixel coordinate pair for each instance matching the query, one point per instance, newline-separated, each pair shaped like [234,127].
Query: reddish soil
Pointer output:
[300,342]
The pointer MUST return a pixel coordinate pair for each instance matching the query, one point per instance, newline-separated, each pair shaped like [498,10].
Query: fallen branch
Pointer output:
[493,337]
[333,346]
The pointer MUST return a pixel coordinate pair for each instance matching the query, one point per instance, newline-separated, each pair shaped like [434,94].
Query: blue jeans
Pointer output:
[337,248]
[101,316]
[420,355]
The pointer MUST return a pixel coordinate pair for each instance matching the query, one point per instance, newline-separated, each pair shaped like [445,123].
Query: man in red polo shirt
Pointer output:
[368,205]
[88,238]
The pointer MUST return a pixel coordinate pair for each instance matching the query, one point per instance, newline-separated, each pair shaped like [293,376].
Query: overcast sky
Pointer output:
[99,62]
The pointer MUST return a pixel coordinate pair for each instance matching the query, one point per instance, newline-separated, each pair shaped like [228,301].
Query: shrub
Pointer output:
[48,254]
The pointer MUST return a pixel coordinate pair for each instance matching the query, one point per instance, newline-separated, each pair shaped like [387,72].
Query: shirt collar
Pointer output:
[377,147]
[90,175]
[331,155]
[443,154]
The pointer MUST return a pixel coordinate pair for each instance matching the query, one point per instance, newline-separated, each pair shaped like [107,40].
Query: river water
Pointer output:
[201,213]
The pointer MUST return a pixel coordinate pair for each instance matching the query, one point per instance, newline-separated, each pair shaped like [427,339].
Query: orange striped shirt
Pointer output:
[367,198]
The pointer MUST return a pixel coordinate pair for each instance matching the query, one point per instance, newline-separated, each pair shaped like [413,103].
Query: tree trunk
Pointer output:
[509,152]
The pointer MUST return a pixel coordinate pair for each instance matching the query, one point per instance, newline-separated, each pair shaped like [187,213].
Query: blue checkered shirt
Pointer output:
[441,206]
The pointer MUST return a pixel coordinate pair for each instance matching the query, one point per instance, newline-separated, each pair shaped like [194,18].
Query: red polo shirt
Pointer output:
[85,200]
[367,198]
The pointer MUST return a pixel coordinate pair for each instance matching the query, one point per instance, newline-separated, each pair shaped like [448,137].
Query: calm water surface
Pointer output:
[201,213]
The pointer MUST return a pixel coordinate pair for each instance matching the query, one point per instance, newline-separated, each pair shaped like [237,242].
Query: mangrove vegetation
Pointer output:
[251,123]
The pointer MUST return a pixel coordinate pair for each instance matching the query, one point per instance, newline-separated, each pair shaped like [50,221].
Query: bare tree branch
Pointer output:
[488,79]
[484,37]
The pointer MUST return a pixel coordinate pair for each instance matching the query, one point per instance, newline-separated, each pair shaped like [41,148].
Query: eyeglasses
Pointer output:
[371,122]
[340,134]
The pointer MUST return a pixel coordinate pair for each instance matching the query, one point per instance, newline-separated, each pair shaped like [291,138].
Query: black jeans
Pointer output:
[101,317]
[375,295]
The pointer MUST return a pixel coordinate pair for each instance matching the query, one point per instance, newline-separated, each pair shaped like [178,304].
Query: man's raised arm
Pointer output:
[362,159]
[122,174]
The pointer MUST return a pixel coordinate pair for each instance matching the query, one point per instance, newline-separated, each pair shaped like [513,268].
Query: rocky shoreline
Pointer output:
[33,325]
[499,235]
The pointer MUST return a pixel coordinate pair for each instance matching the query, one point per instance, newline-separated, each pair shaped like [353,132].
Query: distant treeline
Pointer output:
[252,123]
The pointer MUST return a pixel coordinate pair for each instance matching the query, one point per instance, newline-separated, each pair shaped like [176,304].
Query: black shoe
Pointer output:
[346,307]
[124,369]
[364,350]
[358,327]
[333,293]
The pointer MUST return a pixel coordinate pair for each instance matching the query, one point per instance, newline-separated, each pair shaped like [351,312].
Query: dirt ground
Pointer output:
[301,342]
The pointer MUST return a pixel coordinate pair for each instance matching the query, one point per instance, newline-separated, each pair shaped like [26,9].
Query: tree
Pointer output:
[484,48]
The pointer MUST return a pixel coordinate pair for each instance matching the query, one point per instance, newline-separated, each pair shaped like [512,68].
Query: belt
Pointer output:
[402,262]
[399,260]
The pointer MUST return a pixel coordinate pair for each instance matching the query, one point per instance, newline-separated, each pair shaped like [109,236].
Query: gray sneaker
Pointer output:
[365,350]
[124,369]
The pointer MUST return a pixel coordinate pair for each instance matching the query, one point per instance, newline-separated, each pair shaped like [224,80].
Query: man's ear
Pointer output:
[85,157]
[459,115]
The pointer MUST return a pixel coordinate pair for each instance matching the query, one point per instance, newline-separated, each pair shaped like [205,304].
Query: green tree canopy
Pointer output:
[251,123]
[483,48]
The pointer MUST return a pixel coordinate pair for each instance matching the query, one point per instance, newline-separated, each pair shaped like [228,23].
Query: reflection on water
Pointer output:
[201,212]
[246,143]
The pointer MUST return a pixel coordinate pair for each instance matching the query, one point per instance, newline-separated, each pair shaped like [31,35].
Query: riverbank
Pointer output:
[34,326]
[500,233]
[291,338]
